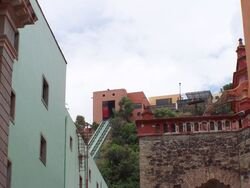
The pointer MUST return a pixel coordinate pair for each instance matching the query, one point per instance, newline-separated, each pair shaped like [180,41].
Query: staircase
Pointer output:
[81,152]
[98,138]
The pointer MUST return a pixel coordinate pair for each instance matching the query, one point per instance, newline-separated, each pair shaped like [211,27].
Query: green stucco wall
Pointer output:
[96,177]
[39,56]
[72,173]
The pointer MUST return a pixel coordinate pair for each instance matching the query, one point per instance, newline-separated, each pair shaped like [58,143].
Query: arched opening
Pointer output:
[213,183]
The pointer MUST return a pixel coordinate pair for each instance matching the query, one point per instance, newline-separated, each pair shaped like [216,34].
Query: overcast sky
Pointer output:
[144,45]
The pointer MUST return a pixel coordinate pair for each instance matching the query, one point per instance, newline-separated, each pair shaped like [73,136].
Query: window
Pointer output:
[97,185]
[70,143]
[165,128]
[172,126]
[9,169]
[219,125]
[196,126]
[181,127]
[80,181]
[212,127]
[204,126]
[43,150]
[12,105]
[89,175]
[163,102]
[157,128]
[16,41]
[45,92]
[137,106]
[189,127]
[240,123]
[227,123]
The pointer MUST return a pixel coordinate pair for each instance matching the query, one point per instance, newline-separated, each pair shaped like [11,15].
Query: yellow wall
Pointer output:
[174,97]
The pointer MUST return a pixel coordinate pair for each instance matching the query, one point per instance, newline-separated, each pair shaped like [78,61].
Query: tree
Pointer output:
[126,109]
[164,112]
[227,87]
[119,157]
[80,121]
[95,125]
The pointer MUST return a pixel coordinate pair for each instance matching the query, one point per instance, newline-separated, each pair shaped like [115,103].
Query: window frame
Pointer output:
[71,143]
[12,105]
[45,92]
[80,182]
[9,174]
[43,150]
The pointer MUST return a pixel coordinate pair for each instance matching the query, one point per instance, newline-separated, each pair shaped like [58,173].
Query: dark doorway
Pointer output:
[107,109]
[213,183]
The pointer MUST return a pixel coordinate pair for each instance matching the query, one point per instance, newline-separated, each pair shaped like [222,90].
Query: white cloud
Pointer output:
[144,45]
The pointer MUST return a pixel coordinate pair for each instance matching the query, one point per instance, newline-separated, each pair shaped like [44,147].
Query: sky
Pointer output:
[144,45]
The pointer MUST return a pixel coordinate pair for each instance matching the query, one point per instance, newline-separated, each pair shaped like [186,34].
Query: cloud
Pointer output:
[147,46]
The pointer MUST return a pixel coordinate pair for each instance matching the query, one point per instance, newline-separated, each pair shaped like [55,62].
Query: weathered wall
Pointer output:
[191,160]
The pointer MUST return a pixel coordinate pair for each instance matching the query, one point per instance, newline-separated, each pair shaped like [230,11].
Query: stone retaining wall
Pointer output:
[191,160]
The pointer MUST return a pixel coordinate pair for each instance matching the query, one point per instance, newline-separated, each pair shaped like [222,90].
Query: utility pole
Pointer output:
[180,90]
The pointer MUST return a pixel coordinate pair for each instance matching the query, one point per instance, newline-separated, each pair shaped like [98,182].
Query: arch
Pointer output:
[213,183]
[195,178]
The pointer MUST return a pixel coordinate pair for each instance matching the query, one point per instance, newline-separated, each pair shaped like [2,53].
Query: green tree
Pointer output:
[227,87]
[126,109]
[80,121]
[164,112]
[119,157]
[95,126]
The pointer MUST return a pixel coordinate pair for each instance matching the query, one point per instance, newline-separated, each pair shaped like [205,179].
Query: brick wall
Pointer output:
[192,160]
[5,92]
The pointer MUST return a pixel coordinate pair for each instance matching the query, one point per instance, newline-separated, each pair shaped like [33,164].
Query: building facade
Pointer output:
[13,15]
[164,101]
[202,151]
[43,148]
[105,102]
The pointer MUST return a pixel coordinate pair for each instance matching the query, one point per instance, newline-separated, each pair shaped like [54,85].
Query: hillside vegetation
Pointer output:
[119,157]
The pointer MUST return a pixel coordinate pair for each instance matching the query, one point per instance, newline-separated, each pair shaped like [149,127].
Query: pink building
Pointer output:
[105,102]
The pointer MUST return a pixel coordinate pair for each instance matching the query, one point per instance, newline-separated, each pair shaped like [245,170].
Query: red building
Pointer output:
[105,102]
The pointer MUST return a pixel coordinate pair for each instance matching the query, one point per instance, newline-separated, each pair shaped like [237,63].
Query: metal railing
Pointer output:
[99,137]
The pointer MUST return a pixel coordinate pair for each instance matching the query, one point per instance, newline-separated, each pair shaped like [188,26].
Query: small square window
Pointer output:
[43,150]
[45,92]
[71,143]
[12,105]
[9,172]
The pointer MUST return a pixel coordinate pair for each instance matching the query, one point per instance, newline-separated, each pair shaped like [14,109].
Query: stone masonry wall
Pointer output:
[189,161]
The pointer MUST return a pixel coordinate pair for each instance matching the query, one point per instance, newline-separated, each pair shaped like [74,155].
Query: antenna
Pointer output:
[180,90]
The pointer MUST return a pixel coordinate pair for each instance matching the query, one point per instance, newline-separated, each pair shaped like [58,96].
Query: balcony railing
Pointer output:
[193,125]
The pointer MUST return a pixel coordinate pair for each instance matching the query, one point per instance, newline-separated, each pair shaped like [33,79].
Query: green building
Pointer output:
[43,145]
